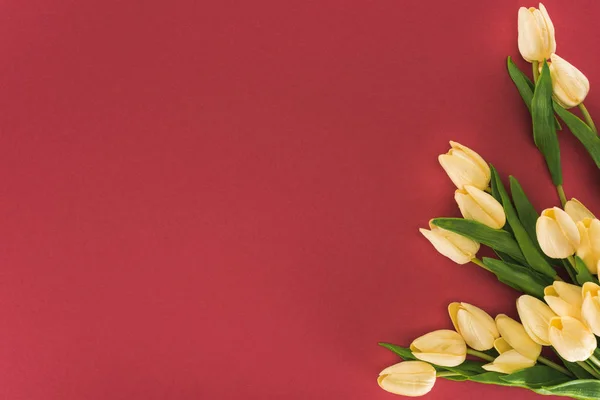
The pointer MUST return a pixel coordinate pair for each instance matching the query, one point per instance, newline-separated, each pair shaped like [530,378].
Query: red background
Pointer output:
[220,200]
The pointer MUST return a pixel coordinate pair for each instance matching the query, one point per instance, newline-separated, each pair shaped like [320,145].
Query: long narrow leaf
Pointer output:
[582,132]
[521,278]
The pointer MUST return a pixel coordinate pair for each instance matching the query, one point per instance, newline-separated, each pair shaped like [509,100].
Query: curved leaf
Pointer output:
[578,389]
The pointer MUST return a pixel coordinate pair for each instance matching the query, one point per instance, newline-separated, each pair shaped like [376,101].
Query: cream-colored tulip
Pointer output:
[577,210]
[465,167]
[589,246]
[474,325]
[535,317]
[443,347]
[569,85]
[477,205]
[502,346]
[516,337]
[571,339]
[557,233]
[536,34]
[564,299]
[590,310]
[509,362]
[456,247]
[408,378]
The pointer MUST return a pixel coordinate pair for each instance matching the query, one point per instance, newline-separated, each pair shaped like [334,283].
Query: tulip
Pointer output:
[456,247]
[474,325]
[408,378]
[509,362]
[589,246]
[536,34]
[564,299]
[501,345]
[443,347]
[569,85]
[557,233]
[465,167]
[590,310]
[535,316]
[516,338]
[577,211]
[480,206]
[571,338]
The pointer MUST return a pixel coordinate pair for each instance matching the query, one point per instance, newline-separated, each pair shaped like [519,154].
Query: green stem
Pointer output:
[589,369]
[477,261]
[481,355]
[554,365]
[595,360]
[536,71]
[588,117]
[443,374]
[561,195]
[571,261]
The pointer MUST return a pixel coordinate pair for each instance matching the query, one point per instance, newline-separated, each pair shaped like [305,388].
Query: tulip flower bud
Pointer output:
[564,299]
[557,233]
[571,339]
[474,325]
[443,347]
[477,205]
[577,211]
[509,362]
[408,378]
[589,246]
[569,85]
[456,247]
[590,310]
[465,167]
[536,34]
[515,336]
[535,316]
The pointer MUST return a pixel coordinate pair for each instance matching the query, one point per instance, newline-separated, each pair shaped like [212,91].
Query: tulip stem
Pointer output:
[479,354]
[561,195]
[589,369]
[446,373]
[536,70]
[595,360]
[477,261]
[554,365]
[588,117]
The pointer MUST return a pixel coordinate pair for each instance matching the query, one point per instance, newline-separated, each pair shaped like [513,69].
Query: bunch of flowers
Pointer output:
[553,258]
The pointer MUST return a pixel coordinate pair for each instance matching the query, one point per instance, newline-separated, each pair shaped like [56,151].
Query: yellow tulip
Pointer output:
[589,246]
[557,233]
[443,347]
[577,210]
[590,310]
[477,205]
[456,247]
[564,299]
[515,336]
[501,345]
[536,34]
[465,167]
[474,325]
[569,85]
[408,378]
[571,339]
[535,316]
[509,362]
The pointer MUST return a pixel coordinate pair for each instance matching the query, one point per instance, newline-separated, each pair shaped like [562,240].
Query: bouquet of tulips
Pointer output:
[552,258]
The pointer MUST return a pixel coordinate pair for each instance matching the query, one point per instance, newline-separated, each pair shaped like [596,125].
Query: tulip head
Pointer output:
[590,310]
[465,167]
[474,325]
[509,362]
[477,205]
[571,339]
[515,336]
[577,210]
[408,378]
[535,316]
[456,247]
[569,85]
[564,299]
[589,245]
[443,347]
[557,233]
[536,34]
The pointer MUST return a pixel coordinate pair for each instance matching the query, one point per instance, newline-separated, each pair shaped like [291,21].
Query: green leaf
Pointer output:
[532,255]
[578,389]
[524,86]
[582,274]
[582,132]
[519,277]
[491,378]
[536,376]
[544,130]
[497,239]
[403,352]
[576,369]
[527,213]
[506,257]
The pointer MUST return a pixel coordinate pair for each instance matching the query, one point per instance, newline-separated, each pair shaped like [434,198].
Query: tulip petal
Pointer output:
[502,345]
[446,247]
[535,316]
[476,335]
[442,347]
[408,378]
[551,238]
[571,339]
[516,337]
[568,226]
[570,86]
[590,310]
[489,205]
[463,171]
[577,211]
[509,362]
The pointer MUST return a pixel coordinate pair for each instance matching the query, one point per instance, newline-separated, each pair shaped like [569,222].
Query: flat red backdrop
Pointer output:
[220,200]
